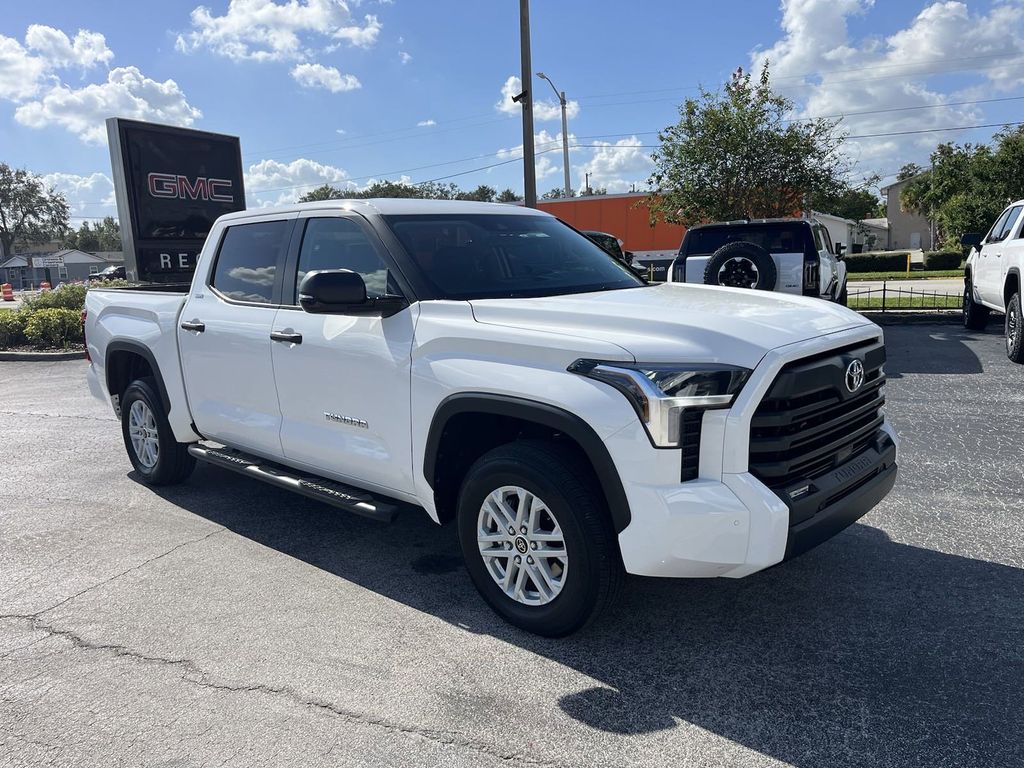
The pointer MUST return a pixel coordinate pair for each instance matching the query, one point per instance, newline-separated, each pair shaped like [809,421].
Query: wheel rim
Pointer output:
[143,432]
[1012,328]
[738,272]
[522,546]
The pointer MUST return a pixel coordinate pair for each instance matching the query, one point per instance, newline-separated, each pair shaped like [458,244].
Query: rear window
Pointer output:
[774,238]
[247,261]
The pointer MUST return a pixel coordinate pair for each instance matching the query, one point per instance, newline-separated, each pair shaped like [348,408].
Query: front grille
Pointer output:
[809,422]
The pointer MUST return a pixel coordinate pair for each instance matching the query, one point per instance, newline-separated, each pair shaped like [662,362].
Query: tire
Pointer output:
[157,457]
[741,265]
[567,505]
[975,314]
[1014,329]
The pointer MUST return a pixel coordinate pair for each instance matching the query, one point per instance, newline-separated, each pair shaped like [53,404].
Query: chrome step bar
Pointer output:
[314,487]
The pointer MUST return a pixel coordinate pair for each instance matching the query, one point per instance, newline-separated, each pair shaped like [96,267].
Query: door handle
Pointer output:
[194,325]
[290,338]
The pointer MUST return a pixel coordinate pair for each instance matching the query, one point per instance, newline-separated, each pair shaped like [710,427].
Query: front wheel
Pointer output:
[156,455]
[537,538]
[975,314]
[1014,330]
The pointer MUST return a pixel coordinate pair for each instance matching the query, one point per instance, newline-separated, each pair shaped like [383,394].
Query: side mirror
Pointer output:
[971,240]
[839,250]
[343,292]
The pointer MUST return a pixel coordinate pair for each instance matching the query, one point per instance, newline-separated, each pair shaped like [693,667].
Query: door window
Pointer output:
[993,234]
[826,240]
[1011,219]
[340,243]
[247,261]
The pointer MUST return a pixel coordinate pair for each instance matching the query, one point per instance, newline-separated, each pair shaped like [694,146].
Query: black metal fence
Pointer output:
[892,298]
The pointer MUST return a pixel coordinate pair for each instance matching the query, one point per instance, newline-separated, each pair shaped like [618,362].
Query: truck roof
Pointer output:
[392,207]
[745,222]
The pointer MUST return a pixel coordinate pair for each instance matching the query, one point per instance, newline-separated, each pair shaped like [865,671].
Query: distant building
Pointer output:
[856,236]
[906,229]
[77,265]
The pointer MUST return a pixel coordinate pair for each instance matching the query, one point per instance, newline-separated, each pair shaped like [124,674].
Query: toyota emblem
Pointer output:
[854,375]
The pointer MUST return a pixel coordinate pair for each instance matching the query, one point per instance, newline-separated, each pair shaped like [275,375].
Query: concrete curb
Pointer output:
[37,356]
[908,318]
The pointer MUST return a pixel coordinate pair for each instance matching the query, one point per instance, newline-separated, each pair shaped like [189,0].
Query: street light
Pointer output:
[565,133]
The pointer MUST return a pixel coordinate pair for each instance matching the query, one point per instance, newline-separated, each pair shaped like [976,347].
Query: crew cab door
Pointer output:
[989,266]
[343,381]
[224,336]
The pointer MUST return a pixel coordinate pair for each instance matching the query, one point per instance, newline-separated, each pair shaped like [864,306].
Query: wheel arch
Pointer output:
[124,360]
[509,410]
[1011,285]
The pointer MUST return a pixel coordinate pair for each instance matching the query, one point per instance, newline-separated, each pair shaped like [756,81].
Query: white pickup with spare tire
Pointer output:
[784,255]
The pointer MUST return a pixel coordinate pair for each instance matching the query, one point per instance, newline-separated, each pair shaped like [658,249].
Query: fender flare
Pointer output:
[144,352]
[1011,272]
[546,415]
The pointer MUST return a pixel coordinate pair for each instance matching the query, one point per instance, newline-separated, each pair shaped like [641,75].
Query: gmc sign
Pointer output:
[171,184]
[175,186]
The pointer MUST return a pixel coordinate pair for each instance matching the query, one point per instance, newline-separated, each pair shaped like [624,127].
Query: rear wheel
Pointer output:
[537,538]
[741,265]
[156,455]
[975,314]
[1014,330]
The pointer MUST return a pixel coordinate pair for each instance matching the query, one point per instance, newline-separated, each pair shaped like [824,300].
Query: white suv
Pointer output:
[783,255]
[992,277]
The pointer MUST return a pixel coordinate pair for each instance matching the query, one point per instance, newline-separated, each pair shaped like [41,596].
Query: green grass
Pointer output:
[874,301]
[918,275]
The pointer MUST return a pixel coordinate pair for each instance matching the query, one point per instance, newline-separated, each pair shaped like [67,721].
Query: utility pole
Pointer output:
[587,182]
[565,134]
[526,100]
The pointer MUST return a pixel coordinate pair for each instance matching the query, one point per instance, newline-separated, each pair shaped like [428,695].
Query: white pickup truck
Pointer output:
[492,366]
[992,277]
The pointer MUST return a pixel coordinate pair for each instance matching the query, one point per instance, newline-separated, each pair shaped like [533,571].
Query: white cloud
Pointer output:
[543,109]
[404,57]
[426,123]
[86,50]
[340,131]
[23,68]
[126,93]
[91,196]
[616,167]
[264,30]
[547,153]
[270,182]
[895,72]
[328,78]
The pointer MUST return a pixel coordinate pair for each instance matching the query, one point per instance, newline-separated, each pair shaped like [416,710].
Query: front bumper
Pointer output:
[738,526]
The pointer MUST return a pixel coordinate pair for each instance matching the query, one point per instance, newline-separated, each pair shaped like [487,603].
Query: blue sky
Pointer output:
[328,91]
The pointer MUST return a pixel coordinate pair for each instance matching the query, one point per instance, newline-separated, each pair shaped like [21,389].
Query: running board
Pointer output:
[320,488]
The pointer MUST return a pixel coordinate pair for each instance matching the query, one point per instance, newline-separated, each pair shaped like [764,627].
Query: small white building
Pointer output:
[856,236]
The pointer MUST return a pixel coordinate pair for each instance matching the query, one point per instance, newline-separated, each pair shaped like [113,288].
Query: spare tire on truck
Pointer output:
[741,265]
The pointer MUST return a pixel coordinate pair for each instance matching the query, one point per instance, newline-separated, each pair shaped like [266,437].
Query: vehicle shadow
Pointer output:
[933,349]
[862,652]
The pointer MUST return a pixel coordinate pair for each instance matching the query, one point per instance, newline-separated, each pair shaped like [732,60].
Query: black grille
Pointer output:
[692,422]
[809,422]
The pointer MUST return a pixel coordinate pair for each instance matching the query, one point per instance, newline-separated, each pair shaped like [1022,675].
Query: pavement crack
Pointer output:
[192,674]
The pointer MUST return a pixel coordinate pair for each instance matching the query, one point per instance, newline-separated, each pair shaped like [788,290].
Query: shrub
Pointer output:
[943,259]
[12,327]
[54,327]
[887,261]
[68,296]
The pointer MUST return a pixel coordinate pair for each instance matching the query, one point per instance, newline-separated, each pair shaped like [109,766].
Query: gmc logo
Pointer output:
[178,187]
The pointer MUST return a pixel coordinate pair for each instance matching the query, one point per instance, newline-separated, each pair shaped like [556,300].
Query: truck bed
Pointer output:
[149,287]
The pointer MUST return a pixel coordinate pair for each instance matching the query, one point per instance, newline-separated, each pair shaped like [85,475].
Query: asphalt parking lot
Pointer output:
[226,622]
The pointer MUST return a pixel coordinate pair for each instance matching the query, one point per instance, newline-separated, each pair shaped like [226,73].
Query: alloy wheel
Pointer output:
[145,438]
[522,545]
[738,272]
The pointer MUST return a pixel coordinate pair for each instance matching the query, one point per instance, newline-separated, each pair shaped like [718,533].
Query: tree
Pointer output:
[104,235]
[507,196]
[557,193]
[430,190]
[734,153]
[29,210]
[849,202]
[323,192]
[908,171]
[483,194]
[593,191]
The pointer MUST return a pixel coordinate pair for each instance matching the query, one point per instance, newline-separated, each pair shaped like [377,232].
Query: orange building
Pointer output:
[619,215]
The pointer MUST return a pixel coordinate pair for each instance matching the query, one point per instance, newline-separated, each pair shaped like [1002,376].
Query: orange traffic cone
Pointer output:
[44,286]
[7,291]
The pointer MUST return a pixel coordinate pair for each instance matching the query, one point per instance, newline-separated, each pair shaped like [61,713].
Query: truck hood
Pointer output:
[677,322]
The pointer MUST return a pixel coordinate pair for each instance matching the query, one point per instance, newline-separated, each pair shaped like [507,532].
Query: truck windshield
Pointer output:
[480,256]
[774,238]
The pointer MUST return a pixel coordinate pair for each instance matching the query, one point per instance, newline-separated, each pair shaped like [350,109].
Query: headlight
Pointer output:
[661,393]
